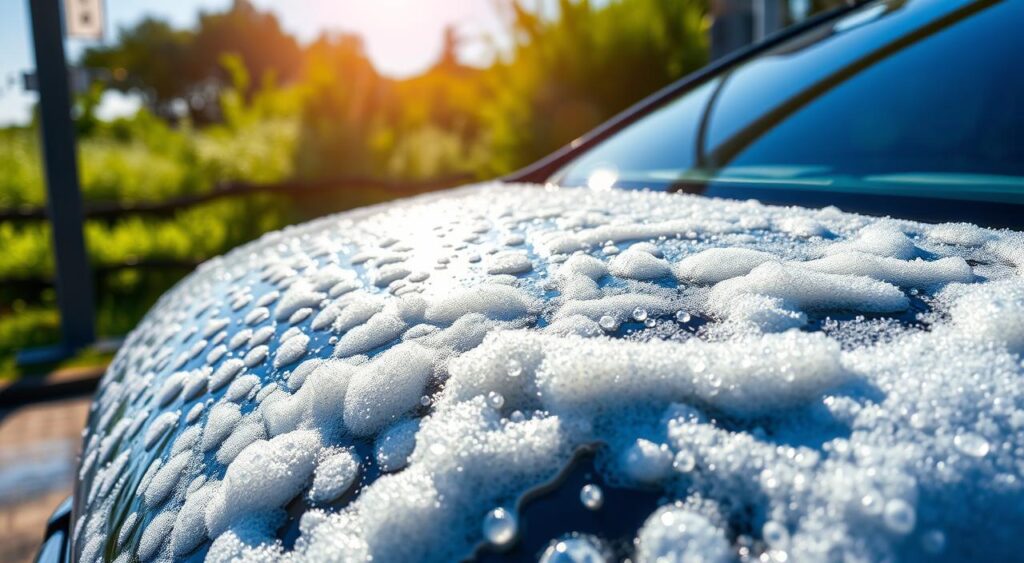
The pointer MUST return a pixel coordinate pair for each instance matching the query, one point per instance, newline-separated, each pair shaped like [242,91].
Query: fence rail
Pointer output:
[166,208]
[294,188]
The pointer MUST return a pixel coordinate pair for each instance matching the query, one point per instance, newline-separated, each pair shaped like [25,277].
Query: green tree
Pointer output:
[152,59]
[571,71]
[178,70]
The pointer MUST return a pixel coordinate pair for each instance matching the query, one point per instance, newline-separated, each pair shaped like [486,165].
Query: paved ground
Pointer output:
[38,446]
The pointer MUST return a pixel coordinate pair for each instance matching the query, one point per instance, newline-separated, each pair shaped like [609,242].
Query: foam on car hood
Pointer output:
[388,382]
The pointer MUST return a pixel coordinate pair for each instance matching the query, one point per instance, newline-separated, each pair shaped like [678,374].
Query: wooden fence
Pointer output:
[296,189]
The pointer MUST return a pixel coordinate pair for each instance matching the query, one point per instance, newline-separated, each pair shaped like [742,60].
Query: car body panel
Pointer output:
[410,313]
[425,301]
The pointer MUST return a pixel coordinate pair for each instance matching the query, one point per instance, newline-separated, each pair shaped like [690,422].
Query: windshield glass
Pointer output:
[914,98]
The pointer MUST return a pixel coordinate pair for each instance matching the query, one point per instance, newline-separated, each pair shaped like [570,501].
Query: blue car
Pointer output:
[774,312]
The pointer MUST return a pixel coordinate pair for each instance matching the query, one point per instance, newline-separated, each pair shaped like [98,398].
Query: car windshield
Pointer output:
[912,98]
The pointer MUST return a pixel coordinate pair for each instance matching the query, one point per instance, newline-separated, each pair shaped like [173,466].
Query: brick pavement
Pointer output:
[38,446]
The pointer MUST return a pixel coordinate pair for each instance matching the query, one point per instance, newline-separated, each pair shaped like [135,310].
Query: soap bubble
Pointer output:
[899,516]
[500,527]
[607,322]
[495,399]
[775,534]
[639,314]
[514,368]
[684,462]
[592,496]
[971,444]
[683,316]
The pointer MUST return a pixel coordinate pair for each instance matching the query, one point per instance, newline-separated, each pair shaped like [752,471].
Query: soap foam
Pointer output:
[677,334]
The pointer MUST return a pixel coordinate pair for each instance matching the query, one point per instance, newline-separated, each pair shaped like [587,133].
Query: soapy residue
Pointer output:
[796,384]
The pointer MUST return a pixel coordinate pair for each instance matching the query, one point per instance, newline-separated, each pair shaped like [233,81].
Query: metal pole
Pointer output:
[732,27]
[64,199]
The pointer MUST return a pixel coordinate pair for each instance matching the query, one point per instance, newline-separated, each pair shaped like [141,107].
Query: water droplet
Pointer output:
[684,462]
[899,516]
[775,534]
[683,316]
[640,314]
[425,400]
[495,399]
[971,444]
[608,323]
[514,368]
[500,527]
[592,496]
[649,323]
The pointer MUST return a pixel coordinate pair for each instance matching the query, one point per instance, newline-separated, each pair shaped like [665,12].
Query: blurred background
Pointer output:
[201,124]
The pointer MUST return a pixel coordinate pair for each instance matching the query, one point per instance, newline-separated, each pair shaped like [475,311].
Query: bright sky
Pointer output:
[402,37]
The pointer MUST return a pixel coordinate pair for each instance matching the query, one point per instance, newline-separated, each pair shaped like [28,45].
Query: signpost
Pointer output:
[738,23]
[64,199]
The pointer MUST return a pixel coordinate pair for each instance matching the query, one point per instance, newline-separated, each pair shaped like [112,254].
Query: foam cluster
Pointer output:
[395,383]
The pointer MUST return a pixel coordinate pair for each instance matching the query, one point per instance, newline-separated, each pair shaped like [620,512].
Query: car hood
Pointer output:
[398,382]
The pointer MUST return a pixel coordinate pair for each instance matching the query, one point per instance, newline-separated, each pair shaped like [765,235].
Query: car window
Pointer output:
[902,98]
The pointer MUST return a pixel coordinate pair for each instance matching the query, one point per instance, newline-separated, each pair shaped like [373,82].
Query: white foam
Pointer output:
[509,263]
[674,533]
[240,387]
[298,296]
[962,234]
[265,476]
[802,226]
[803,289]
[190,525]
[620,306]
[155,534]
[876,438]
[358,307]
[249,430]
[160,426]
[639,265]
[394,446]
[291,350]
[881,239]
[387,387]
[904,273]
[585,265]
[719,264]
[388,274]
[168,477]
[225,373]
[495,301]
[378,330]
[256,356]
[646,462]
[335,474]
[221,421]
[316,404]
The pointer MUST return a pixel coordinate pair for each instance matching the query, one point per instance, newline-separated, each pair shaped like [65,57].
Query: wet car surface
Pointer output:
[522,371]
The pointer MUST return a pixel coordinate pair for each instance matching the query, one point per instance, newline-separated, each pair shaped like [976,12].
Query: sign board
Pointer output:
[83,18]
